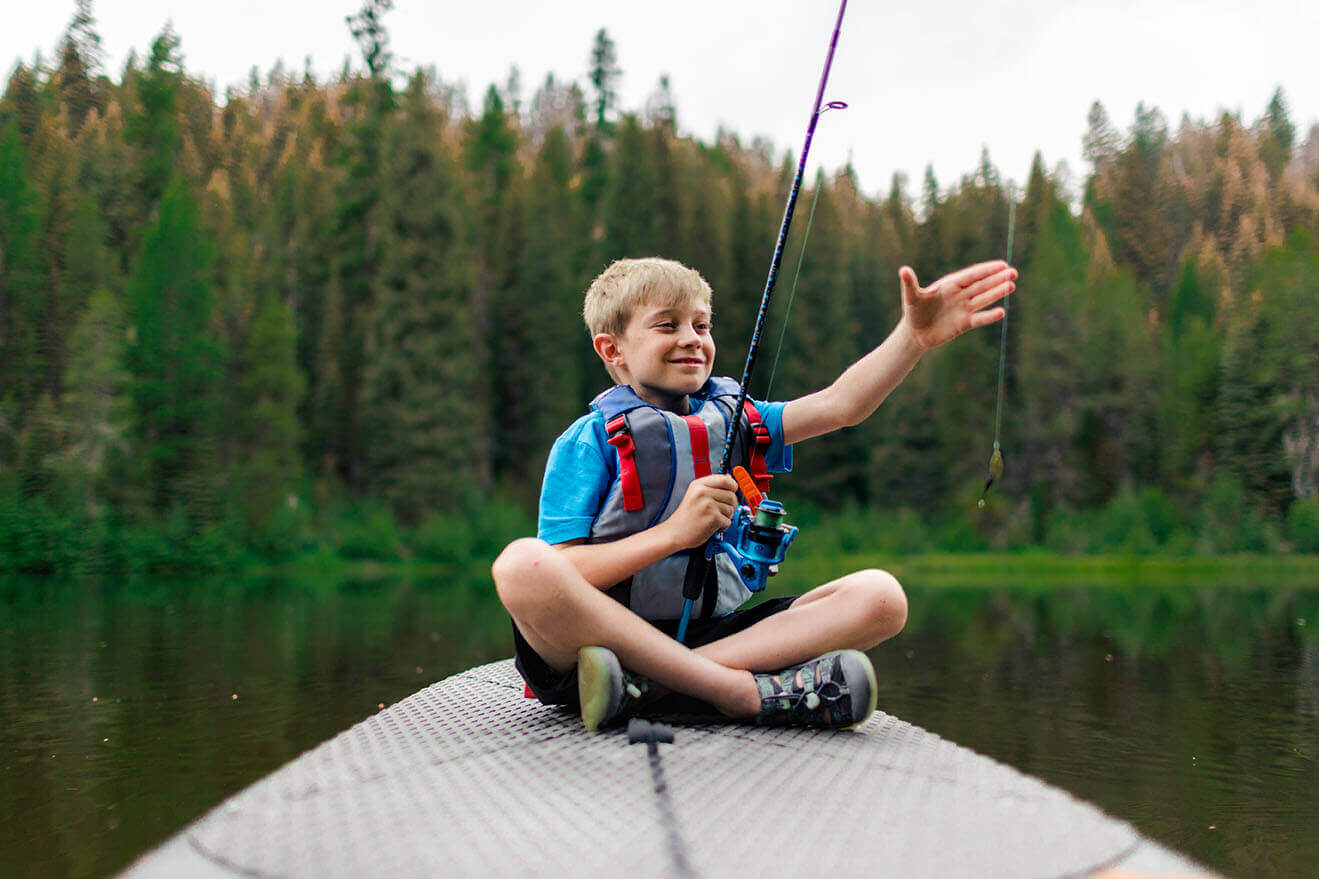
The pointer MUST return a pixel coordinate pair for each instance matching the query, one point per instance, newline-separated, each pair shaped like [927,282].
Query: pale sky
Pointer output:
[928,82]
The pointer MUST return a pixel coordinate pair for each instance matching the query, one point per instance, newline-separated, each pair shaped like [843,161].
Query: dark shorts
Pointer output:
[560,688]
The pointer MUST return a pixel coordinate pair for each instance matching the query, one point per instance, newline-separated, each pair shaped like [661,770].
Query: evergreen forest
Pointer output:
[342,317]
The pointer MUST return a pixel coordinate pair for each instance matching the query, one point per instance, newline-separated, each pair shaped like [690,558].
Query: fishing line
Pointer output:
[787,312]
[801,255]
[996,459]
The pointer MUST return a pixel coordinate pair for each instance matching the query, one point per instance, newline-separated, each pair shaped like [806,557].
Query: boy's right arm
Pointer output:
[706,508]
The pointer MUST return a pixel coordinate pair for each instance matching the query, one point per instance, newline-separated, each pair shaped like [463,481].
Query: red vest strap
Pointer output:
[700,445]
[621,439]
[759,445]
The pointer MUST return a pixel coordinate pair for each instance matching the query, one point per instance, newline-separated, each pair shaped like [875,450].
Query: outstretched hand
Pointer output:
[955,303]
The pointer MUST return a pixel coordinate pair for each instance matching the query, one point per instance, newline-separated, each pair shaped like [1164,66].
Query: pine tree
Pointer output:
[267,392]
[544,382]
[106,174]
[79,61]
[57,183]
[356,238]
[420,406]
[176,363]
[1277,135]
[95,409]
[153,126]
[1189,362]
[1051,367]
[1101,143]
[631,221]
[702,206]
[22,293]
[1144,237]
[368,30]
[492,161]
[297,235]
[604,75]
[1116,438]
[1269,403]
[931,235]
[669,189]
[21,104]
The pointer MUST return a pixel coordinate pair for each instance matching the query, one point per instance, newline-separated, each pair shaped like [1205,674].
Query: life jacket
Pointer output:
[660,453]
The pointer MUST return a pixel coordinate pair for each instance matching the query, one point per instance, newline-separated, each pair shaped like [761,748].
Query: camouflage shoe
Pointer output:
[835,691]
[609,694]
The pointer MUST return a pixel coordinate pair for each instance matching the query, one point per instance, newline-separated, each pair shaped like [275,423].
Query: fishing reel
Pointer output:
[756,542]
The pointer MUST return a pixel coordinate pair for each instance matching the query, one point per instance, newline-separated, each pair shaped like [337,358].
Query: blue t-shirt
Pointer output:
[583,467]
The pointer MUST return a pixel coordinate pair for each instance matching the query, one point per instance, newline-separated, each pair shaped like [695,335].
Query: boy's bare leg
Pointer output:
[853,612]
[559,612]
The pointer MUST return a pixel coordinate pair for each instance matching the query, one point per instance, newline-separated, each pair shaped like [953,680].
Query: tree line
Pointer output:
[237,325]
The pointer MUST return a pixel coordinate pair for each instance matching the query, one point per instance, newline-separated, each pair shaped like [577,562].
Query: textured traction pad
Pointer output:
[466,777]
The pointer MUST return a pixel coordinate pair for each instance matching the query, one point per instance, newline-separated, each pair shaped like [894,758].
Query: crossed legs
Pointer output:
[559,612]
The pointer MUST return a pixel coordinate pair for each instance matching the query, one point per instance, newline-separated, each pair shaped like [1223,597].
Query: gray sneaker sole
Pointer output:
[872,684]
[597,673]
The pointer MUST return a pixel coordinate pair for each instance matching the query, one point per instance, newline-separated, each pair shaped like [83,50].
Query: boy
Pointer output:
[603,529]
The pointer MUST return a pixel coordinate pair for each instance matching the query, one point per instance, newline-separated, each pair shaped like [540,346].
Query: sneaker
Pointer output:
[609,694]
[835,691]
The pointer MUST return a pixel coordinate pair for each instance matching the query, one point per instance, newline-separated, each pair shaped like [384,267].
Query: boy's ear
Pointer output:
[606,345]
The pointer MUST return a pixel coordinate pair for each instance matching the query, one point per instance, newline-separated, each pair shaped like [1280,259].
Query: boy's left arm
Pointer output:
[931,316]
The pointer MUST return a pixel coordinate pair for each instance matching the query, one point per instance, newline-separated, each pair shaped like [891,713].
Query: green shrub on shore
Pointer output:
[1303,525]
[477,536]
[367,531]
[35,537]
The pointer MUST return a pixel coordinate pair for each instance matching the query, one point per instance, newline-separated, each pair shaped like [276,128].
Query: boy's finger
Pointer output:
[969,275]
[1003,276]
[725,499]
[991,295]
[985,318]
[907,278]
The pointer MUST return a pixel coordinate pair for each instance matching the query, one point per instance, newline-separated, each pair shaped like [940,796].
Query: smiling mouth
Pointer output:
[688,362]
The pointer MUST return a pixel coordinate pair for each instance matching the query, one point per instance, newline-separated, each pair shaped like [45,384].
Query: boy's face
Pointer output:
[666,352]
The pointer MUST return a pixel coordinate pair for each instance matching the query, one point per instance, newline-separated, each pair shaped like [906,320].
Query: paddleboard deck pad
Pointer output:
[468,778]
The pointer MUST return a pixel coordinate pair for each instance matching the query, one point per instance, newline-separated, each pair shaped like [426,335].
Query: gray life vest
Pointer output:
[660,453]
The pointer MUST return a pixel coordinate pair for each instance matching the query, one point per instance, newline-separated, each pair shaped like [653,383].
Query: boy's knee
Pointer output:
[886,603]
[519,566]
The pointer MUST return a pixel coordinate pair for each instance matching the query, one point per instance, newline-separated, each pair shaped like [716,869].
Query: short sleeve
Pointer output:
[577,481]
[778,458]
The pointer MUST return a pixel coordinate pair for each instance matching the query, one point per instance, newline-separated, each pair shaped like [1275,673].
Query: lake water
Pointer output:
[129,709]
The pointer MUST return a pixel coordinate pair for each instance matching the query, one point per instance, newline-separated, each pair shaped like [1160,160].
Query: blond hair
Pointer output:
[618,290]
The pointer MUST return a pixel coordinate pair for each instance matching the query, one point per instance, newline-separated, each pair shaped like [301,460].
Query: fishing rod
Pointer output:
[757,547]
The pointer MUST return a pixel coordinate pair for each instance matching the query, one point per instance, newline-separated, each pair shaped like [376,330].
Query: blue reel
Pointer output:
[756,545]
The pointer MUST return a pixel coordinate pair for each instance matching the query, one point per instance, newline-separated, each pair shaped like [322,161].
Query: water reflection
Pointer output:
[1180,710]
[130,708]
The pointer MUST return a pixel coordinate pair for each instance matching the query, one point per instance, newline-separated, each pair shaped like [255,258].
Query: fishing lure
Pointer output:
[996,459]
